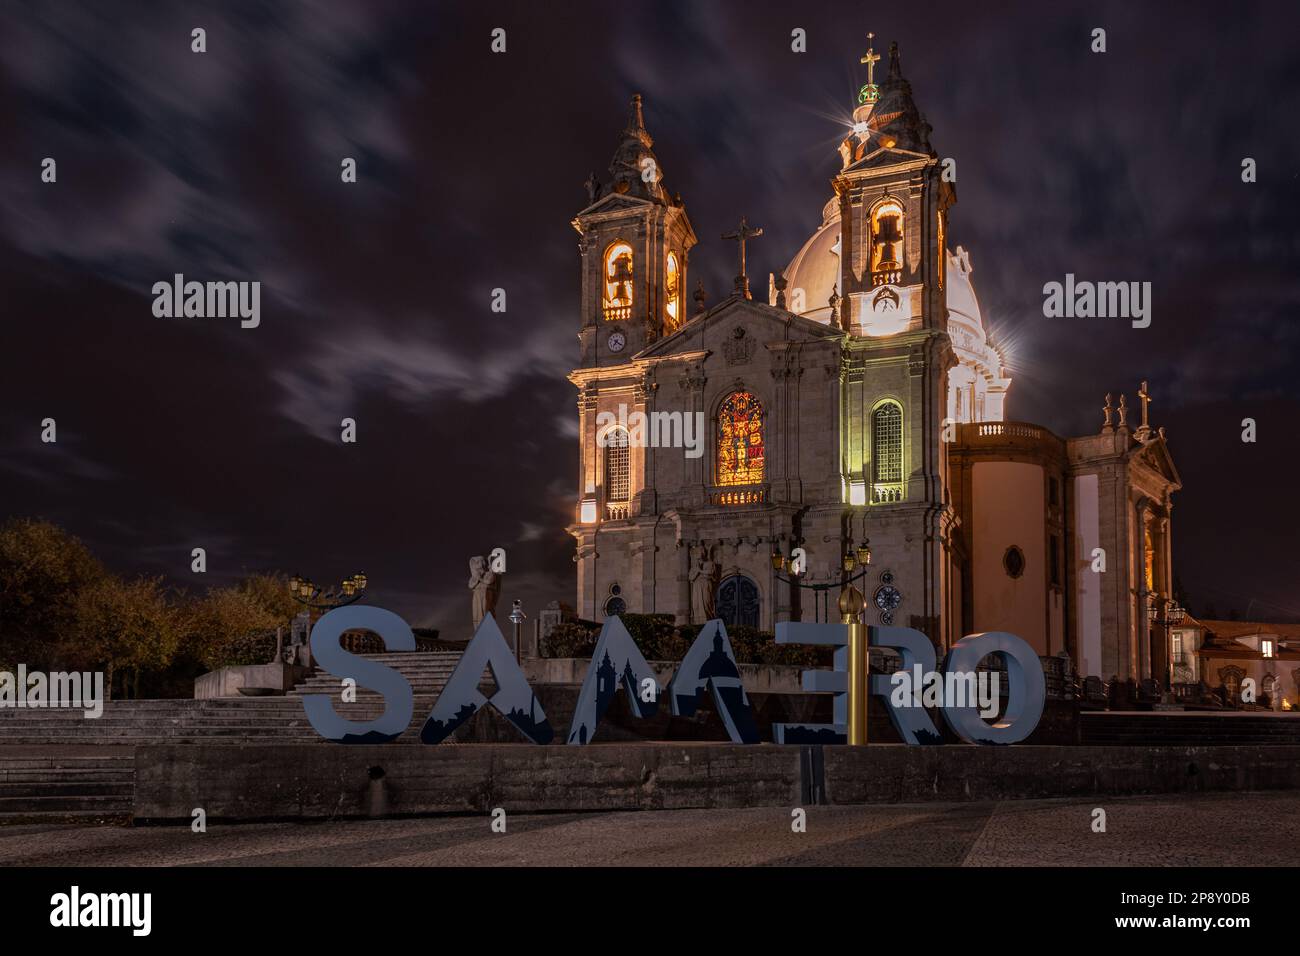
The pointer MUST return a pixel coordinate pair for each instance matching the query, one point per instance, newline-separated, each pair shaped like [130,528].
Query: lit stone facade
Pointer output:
[864,399]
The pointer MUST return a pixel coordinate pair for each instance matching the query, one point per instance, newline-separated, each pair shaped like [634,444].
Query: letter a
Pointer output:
[711,664]
[616,660]
[461,699]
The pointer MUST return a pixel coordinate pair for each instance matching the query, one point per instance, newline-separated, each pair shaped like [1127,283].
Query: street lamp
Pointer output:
[348,591]
[1166,612]
[517,617]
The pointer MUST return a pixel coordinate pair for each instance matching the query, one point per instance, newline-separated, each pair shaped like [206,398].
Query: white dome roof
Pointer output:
[980,364]
[963,306]
[814,272]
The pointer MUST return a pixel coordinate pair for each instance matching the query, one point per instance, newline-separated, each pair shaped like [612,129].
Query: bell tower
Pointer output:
[893,204]
[635,241]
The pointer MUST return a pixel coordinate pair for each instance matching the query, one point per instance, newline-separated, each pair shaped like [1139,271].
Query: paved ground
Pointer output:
[1211,830]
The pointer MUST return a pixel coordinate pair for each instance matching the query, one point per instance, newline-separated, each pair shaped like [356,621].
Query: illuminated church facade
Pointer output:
[861,410]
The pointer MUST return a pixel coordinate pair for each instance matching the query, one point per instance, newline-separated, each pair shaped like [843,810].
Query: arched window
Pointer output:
[887,243]
[672,294]
[740,440]
[617,484]
[618,282]
[887,453]
[1149,559]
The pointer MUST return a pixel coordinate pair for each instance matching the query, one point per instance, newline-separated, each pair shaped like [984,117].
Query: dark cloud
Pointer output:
[175,434]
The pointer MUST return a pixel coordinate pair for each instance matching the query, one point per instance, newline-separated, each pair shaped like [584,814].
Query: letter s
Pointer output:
[399,700]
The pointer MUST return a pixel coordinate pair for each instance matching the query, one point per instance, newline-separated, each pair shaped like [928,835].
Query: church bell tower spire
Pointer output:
[634,247]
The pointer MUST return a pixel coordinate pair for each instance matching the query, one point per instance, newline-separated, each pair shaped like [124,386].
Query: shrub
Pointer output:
[659,639]
[570,639]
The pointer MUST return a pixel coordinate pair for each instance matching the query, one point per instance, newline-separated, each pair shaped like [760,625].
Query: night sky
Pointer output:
[181,433]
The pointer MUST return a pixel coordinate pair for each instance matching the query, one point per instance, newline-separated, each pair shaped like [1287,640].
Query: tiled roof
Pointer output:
[1231,630]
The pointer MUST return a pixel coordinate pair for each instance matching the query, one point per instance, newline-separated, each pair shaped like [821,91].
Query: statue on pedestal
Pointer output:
[485,585]
[704,584]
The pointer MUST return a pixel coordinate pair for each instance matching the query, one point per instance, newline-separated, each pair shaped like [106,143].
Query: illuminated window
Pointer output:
[1149,556]
[943,253]
[616,474]
[887,453]
[740,440]
[887,243]
[618,282]
[672,294]
[1266,647]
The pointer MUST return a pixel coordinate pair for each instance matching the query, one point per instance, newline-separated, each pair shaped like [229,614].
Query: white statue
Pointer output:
[485,585]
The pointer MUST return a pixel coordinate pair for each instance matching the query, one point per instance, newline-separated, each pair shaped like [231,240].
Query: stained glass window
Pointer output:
[740,440]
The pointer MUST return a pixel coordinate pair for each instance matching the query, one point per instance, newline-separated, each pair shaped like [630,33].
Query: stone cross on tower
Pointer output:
[1144,430]
[741,235]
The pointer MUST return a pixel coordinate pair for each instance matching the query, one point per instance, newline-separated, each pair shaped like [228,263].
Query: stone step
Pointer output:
[111,815]
[56,774]
[65,804]
[67,788]
[1185,730]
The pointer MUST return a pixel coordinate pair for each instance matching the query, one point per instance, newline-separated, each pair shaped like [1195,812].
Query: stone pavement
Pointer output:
[1205,830]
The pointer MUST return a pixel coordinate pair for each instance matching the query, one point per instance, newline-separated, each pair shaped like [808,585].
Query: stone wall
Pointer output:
[250,782]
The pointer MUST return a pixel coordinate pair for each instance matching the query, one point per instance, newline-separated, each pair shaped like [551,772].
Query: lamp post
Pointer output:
[851,605]
[517,617]
[852,559]
[1167,613]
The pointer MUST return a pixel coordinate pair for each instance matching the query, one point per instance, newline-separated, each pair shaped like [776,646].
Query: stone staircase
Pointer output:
[233,720]
[57,764]
[1188,728]
[85,788]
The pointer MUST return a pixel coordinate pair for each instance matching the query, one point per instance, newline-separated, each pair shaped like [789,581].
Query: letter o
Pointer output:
[1026,693]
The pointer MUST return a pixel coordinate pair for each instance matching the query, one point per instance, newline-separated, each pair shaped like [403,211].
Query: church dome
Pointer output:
[963,306]
[814,272]
[977,386]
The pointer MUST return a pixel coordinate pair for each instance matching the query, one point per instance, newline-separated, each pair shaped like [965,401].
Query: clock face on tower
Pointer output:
[616,341]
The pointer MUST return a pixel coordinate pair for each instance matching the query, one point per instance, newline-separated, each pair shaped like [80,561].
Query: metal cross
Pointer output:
[1146,400]
[871,59]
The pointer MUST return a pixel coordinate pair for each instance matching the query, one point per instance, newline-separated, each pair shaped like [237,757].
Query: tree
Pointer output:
[123,628]
[43,569]
[236,625]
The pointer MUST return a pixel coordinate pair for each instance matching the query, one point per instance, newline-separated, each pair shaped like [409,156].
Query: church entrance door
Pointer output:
[737,601]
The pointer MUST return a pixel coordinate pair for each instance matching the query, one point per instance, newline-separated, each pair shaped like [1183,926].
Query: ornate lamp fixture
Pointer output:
[349,591]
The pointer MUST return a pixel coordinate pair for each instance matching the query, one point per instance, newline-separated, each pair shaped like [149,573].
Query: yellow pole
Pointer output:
[851,605]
